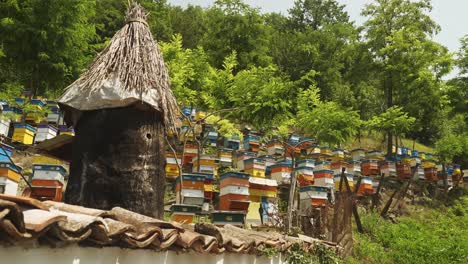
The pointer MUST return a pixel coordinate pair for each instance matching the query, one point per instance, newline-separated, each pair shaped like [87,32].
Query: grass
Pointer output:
[376,142]
[427,235]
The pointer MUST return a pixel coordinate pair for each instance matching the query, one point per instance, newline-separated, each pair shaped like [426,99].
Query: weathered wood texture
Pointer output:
[119,160]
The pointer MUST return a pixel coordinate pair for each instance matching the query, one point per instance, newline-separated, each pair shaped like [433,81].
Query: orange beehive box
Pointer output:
[430,174]
[234,202]
[370,167]
[305,180]
[403,171]
[48,183]
[232,181]
[182,218]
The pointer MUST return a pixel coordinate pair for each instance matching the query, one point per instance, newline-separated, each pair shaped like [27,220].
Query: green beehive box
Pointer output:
[228,217]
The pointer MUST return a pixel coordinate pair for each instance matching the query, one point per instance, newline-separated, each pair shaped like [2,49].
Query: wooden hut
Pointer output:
[120,109]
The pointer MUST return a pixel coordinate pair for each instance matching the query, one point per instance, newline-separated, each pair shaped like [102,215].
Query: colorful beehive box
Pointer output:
[326,151]
[234,191]
[172,166]
[337,180]
[274,148]
[322,165]
[184,213]
[6,151]
[259,187]
[358,154]
[212,137]
[200,115]
[232,142]
[422,155]
[48,175]
[188,111]
[338,166]
[241,156]
[305,176]
[354,167]
[338,155]
[23,133]
[269,159]
[403,171]
[375,155]
[47,182]
[9,178]
[255,167]
[309,163]
[280,171]
[190,151]
[457,173]
[370,167]
[430,174]
[190,189]
[221,218]
[208,164]
[4,126]
[420,175]
[388,168]
[54,116]
[45,132]
[209,186]
[225,157]
[323,178]
[192,181]
[294,139]
[429,163]
[312,196]
[252,143]
[64,130]
[365,187]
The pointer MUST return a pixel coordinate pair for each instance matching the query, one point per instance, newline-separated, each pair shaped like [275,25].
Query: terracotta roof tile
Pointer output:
[59,224]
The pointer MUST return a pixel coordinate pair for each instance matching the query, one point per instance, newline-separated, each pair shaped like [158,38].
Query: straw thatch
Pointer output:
[130,70]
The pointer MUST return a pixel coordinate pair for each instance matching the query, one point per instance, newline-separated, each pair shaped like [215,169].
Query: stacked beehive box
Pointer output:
[242,156]
[45,132]
[64,130]
[275,148]
[48,182]
[9,173]
[190,189]
[35,117]
[252,143]
[233,199]
[24,133]
[323,175]
[281,172]
[54,116]
[205,164]
[225,157]
[232,142]
[172,166]
[255,167]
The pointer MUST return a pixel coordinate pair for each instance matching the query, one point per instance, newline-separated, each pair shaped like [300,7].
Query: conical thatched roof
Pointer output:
[130,70]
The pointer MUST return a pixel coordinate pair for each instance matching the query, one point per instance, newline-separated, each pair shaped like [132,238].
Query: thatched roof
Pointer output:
[130,70]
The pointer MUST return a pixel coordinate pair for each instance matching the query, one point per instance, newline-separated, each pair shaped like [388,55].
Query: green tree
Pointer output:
[411,65]
[47,41]
[328,122]
[233,25]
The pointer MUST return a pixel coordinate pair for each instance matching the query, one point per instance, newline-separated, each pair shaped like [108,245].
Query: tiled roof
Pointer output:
[25,220]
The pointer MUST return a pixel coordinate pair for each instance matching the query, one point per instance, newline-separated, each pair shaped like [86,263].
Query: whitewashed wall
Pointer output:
[84,255]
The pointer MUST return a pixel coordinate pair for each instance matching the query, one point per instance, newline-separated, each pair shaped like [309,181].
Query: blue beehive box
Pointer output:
[5,152]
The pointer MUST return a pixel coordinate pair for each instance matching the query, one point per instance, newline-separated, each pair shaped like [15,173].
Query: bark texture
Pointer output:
[119,160]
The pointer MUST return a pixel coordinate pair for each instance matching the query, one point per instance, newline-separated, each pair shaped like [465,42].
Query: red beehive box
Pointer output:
[430,174]
[370,167]
[403,171]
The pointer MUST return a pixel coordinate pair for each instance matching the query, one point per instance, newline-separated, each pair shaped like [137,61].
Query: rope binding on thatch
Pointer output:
[130,69]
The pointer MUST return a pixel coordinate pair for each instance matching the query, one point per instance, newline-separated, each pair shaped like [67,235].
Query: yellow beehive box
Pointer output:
[39,159]
[262,193]
[172,170]
[23,133]
[254,172]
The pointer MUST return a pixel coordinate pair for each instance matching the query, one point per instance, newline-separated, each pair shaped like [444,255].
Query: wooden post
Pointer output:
[291,192]
[355,211]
